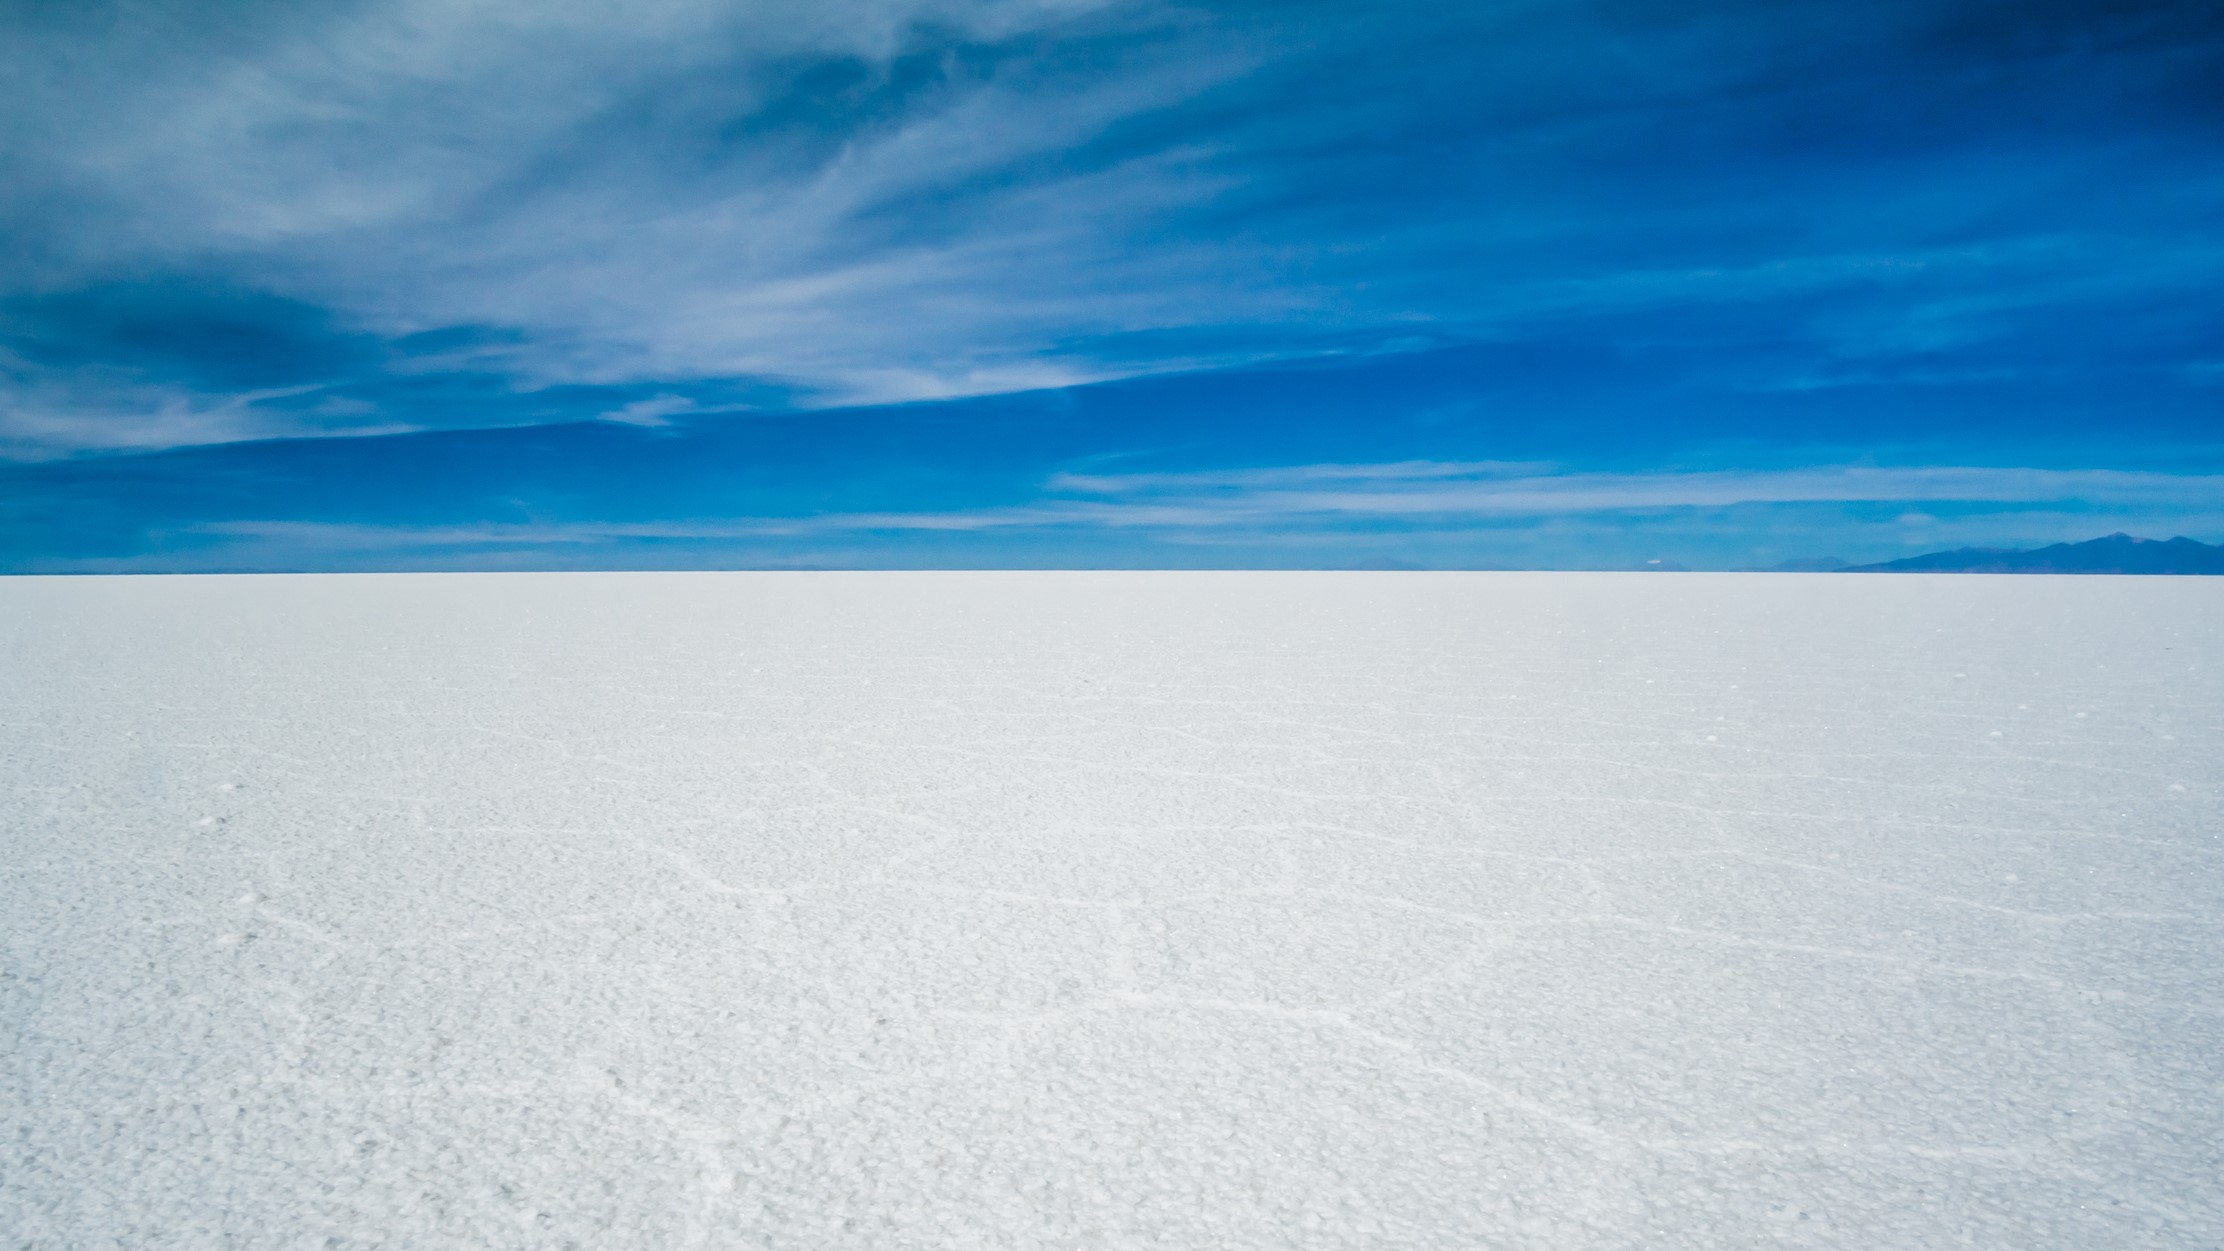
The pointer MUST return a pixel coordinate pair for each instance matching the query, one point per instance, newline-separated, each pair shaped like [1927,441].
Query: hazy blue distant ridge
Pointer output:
[2118,553]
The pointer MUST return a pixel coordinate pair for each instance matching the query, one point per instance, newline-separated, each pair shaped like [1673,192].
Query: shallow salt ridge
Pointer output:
[1111,910]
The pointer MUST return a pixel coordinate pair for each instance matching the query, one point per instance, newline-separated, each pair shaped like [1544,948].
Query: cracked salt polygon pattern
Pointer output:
[1111,910]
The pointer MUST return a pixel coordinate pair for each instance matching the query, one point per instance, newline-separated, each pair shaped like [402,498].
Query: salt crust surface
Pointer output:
[1112,910]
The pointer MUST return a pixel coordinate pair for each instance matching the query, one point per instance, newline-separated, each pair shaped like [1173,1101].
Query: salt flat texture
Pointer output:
[1112,910]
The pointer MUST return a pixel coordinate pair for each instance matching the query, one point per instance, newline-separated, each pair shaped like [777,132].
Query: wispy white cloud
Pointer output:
[657,410]
[51,415]
[863,198]
[1284,477]
[1297,499]
[869,201]
[1429,492]
[1415,489]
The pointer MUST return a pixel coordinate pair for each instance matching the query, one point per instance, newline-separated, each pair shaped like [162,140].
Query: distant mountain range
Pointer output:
[2118,553]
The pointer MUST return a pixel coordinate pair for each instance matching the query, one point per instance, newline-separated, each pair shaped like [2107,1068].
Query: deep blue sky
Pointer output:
[504,284]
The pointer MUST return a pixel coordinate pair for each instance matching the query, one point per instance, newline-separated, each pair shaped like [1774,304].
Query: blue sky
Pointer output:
[405,284]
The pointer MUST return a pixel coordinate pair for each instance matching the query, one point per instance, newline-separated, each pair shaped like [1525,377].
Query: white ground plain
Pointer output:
[1112,910]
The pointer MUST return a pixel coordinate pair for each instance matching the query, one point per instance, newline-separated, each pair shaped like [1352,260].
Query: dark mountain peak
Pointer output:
[2115,553]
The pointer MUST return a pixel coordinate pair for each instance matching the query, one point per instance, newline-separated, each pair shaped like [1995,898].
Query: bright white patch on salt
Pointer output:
[1004,910]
